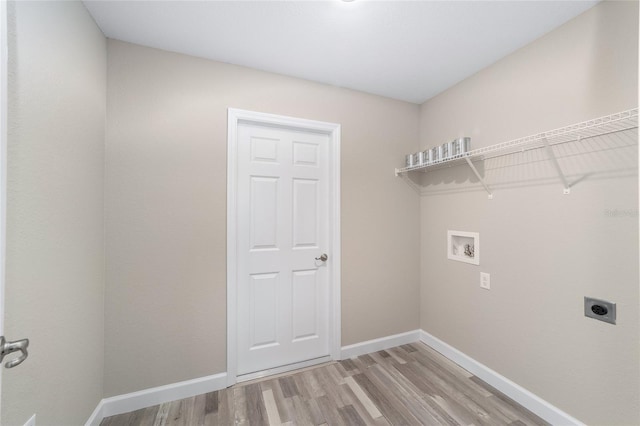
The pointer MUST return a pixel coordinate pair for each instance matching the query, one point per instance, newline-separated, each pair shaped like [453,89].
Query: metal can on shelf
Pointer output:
[461,146]
[420,158]
[428,156]
[409,160]
[447,150]
[455,148]
[436,153]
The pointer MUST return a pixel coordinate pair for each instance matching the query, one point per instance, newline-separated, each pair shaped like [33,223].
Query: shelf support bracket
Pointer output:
[554,161]
[475,171]
[409,182]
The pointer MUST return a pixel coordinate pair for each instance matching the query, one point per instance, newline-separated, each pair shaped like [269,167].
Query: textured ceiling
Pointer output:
[408,50]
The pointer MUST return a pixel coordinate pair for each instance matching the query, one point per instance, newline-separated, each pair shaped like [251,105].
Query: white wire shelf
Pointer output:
[618,122]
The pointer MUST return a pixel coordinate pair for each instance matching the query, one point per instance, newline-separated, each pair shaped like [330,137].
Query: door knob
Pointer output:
[9,347]
[323,257]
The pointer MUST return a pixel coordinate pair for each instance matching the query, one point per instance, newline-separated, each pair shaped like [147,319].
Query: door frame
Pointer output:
[236,117]
[4,87]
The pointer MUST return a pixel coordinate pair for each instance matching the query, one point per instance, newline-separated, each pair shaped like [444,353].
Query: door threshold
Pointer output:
[272,373]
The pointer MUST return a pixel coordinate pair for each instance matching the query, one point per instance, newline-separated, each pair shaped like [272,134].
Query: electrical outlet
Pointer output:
[600,309]
[485,280]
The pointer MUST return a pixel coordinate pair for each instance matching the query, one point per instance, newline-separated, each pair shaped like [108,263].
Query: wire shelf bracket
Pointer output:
[475,171]
[556,165]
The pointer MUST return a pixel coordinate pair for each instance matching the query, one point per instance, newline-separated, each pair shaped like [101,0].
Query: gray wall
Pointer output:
[165,310]
[55,254]
[544,250]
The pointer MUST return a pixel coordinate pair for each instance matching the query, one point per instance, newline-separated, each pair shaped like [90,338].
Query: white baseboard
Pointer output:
[530,401]
[97,415]
[149,397]
[154,396]
[382,343]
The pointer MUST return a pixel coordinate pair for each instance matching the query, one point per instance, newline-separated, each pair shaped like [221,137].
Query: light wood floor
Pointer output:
[406,385]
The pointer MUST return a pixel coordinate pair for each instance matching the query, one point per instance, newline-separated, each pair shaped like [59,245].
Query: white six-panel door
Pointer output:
[283,292]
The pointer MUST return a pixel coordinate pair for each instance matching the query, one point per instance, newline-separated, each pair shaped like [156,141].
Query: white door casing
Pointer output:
[283,305]
[3,161]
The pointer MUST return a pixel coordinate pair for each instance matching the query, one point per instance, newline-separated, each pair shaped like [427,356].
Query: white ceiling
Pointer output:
[409,50]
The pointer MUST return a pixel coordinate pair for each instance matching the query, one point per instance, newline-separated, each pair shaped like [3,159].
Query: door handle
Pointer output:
[323,257]
[9,347]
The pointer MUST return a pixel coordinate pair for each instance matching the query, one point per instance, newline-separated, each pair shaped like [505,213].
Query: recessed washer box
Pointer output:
[600,309]
[463,246]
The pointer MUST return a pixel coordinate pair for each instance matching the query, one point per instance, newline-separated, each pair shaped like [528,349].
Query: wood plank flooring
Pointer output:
[406,385]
